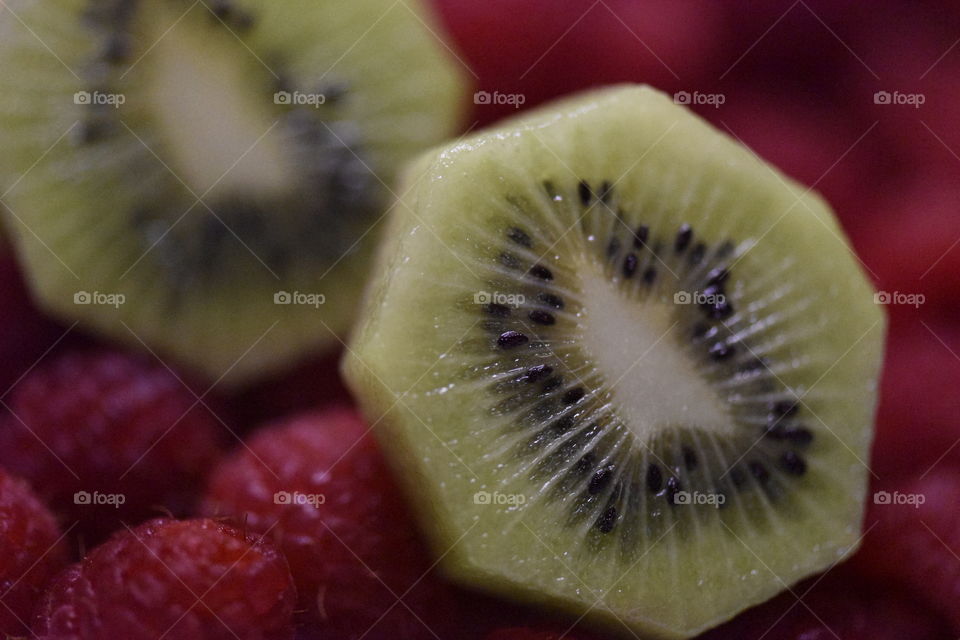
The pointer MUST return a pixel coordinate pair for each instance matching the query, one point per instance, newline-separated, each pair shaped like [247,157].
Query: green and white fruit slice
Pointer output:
[624,367]
[207,179]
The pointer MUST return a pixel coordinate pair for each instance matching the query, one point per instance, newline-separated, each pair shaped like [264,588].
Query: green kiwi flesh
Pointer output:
[623,367]
[207,179]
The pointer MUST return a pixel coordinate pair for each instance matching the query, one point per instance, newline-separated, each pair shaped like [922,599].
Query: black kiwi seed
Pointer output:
[509,260]
[600,480]
[673,487]
[614,247]
[725,250]
[550,189]
[640,236]
[573,395]
[697,254]
[684,236]
[606,190]
[649,275]
[737,477]
[717,275]
[721,351]
[117,49]
[562,425]
[542,317]
[583,190]
[552,384]
[497,310]
[548,298]
[629,265]
[520,237]
[793,463]
[511,339]
[689,458]
[607,520]
[784,408]
[700,329]
[798,435]
[719,310]
[539,271]
[654,478]
[538,372]
[758,471]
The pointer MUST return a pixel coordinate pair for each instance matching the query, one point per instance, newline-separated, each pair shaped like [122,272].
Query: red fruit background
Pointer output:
[858,100]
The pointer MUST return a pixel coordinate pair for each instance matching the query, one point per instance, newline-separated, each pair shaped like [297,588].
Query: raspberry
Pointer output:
[31,553]
[913,538]
[196,579]
[319,485]
[94,429]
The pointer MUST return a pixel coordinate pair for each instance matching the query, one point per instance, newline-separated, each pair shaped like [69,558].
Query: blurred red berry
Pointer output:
[104,436]
[538,49]
[918,418]
[912,538]
[31,552]
[25,333]
[318,484]
[196,579]
[838,606]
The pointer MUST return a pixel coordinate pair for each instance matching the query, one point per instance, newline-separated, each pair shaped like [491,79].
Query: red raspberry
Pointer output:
[913,538]
[196,579]
[31,552]
[319,485]
[87,426]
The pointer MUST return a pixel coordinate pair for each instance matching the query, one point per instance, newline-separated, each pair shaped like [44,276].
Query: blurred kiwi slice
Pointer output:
[207,178]
[624,366]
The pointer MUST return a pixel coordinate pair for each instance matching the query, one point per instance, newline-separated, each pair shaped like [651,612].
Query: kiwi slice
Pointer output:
[623,366]
[207,178]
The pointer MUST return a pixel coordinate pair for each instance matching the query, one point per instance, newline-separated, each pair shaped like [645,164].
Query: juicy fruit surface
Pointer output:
[192,161]
[317,484]
[555,392]
[31,553]
[107,437]
[182,579]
